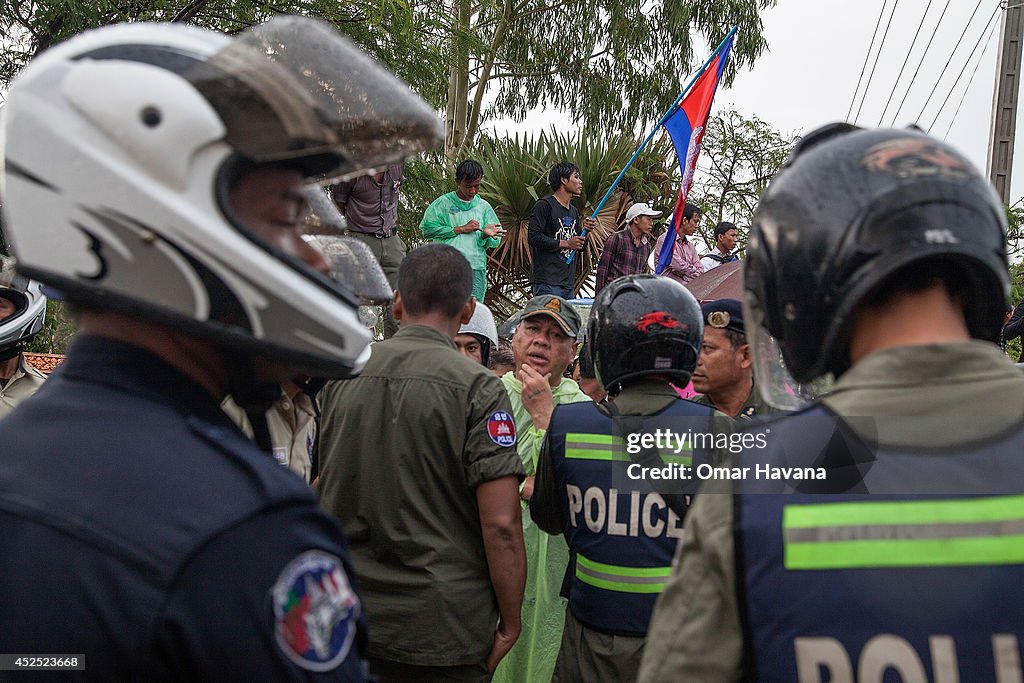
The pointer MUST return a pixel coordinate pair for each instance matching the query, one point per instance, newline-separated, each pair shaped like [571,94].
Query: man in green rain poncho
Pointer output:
[465,221]
[543,345]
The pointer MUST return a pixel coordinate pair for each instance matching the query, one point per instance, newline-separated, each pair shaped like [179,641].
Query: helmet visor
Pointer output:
[776,384]
[294,89]
[352,263]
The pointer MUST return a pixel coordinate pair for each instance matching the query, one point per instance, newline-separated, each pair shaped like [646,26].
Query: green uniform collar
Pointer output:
[970,379]
[645,397]
[425,332]
[754,405]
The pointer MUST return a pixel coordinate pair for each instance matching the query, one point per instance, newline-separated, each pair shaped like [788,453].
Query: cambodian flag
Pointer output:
[685,125]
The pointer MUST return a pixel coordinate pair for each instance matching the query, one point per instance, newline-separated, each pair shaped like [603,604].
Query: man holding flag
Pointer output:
[683,263]
[685,124]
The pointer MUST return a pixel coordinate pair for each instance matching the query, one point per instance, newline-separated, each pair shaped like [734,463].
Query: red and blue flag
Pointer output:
[685,125]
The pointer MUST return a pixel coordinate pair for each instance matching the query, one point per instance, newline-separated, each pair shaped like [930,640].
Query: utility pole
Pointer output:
[1004,101]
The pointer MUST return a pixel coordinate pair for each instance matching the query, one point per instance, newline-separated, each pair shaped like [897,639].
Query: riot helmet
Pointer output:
[644,325]
[482,326]
[27,310]
[121,146]
[849,210]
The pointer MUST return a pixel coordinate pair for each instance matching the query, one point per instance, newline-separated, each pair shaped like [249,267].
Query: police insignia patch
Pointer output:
[501,428]
[315,610]
[719,319]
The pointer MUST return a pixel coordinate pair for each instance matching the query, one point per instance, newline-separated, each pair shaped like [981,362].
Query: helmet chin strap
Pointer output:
[252,395]
[11,351]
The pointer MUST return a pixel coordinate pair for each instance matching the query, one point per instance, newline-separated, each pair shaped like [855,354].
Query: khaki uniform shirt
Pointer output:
[695,632]
[25,382]
[292,425]
[403,447]
[754,405]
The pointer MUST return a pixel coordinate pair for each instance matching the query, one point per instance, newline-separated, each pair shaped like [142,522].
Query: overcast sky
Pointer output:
[817,50]
[816,53]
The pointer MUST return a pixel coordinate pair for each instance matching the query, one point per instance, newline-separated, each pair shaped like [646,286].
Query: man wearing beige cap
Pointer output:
[626,251]
[543,345]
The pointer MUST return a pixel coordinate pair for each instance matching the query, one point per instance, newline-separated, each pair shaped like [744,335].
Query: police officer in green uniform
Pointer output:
[876,256]
[419,463]
[725,371]
[645,332]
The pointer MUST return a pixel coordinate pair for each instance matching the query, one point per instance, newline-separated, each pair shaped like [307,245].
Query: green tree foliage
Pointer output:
[607,63]
[406,36]
[739,156]
[1015,231]
[516,176]
[57,332]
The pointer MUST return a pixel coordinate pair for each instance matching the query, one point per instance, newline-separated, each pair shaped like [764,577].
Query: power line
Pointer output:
[952,52]
[964,96]
[866,57]
[918,69]
[905,60]
[877,55]
[969,57]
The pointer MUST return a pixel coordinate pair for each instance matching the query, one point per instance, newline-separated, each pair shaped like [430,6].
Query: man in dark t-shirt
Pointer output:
[554,233]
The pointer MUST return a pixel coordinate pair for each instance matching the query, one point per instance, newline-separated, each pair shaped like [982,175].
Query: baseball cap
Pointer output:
[640,209]
[724,314]
[555,307]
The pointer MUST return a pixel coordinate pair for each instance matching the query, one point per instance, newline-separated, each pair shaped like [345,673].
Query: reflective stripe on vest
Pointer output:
[608,447]
[841,585]
[621,534]
[625,579]
[930,533]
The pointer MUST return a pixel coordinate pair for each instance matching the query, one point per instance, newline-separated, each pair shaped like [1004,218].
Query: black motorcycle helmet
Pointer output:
[644,325]
[850,208]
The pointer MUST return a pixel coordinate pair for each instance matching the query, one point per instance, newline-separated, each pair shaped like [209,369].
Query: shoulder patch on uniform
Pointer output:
[501,428]
[315,611]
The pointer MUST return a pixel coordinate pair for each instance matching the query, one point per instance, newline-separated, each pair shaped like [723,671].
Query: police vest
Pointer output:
[922,580]
[620,532]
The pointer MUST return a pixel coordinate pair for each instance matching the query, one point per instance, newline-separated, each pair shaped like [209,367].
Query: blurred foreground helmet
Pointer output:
[850,209]
[18,329]
[122,143]
[644,325]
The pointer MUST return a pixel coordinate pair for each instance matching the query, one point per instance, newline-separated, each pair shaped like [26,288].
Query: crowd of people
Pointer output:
[226,480]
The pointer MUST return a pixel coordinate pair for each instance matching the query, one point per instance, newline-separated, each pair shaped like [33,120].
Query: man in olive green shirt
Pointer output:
[897,328]
[419,464]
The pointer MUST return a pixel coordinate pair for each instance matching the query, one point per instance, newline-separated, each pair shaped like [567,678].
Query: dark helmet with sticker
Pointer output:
[644,325]
[851,208]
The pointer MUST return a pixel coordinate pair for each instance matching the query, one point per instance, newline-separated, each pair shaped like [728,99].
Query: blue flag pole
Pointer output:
[654,131]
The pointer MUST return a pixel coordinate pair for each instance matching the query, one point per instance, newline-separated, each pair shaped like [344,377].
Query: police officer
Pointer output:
[477,337]
[645,332]
[725,371]
[419,464]
[154,174]
[877,256]
[22,313]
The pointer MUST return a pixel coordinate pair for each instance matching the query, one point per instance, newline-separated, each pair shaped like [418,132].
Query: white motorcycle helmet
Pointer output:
[18,328]
[121,144]
[482,326]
